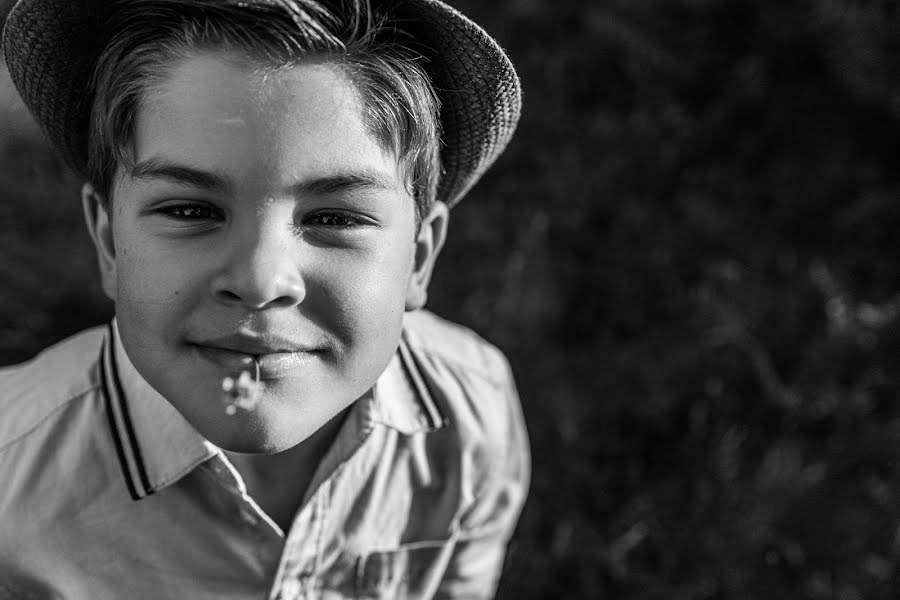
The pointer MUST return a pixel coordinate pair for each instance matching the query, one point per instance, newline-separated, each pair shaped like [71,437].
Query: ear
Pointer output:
[97,216]
[429,242]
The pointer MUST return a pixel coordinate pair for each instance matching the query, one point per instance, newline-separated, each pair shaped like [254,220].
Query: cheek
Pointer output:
[151,283]
[366,294]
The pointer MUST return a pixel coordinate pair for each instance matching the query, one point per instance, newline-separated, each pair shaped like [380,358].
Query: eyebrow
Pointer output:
[344,182]
[155,168]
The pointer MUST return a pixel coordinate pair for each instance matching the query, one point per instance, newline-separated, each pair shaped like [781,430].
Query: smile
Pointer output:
[272,364]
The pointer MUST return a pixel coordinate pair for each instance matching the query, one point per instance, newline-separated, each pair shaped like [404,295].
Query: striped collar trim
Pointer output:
[155,445]
[131,460]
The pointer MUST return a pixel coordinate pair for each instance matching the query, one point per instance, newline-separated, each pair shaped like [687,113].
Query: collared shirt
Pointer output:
[106,491]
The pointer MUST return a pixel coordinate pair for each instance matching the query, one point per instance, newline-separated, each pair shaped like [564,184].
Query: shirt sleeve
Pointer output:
[488,523]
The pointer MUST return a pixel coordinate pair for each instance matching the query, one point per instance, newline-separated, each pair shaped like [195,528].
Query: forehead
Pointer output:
[215,112]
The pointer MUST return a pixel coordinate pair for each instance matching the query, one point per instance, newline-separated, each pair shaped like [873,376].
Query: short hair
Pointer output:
[401,108]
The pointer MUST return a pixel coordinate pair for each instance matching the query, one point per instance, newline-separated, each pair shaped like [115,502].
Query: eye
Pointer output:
[190,212]
[335,220]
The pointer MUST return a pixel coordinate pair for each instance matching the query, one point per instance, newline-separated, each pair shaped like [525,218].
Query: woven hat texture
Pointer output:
[51,46]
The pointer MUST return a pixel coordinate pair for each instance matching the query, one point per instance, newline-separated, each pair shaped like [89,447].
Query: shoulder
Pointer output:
[56,459]
[457,347]
[471,383]
[36,390]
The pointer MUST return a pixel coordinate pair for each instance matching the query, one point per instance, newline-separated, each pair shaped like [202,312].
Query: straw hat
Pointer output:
[51,46]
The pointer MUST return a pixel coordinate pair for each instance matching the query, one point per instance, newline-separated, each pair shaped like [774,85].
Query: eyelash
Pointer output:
[329,219]
[170,211]
[347,220]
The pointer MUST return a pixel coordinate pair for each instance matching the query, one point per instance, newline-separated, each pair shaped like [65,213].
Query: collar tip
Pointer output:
[138,495]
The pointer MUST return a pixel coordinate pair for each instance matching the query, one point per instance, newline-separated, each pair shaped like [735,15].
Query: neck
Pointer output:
[278,482]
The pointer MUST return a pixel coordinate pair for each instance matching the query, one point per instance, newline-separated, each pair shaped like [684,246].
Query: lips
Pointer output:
[277,357]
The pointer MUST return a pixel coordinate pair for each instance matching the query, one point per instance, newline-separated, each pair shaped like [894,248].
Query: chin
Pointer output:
[252,433]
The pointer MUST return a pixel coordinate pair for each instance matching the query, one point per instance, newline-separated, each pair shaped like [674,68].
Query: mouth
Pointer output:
[276,359]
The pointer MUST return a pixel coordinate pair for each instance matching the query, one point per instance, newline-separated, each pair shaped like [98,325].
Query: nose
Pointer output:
[260,270]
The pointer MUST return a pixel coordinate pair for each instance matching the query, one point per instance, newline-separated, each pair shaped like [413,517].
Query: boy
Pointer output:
[269,414]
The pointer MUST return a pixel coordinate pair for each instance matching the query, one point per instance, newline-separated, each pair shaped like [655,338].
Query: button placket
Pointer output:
[322,502]
[302,552]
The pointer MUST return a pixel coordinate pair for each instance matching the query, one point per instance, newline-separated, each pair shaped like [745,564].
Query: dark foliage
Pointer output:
[689,254]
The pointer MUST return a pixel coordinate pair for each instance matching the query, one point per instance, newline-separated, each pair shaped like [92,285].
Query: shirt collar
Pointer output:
[403,399]
[156,445]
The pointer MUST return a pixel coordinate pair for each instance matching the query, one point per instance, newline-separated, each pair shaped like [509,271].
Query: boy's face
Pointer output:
[261,220]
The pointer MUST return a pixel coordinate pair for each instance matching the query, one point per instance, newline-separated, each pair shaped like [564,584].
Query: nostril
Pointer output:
[228,296]
[283,301]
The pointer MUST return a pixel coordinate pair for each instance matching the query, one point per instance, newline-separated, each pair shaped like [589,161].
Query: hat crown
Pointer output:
[51,47]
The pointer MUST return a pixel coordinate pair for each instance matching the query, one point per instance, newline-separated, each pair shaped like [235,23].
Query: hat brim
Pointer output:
[51,47]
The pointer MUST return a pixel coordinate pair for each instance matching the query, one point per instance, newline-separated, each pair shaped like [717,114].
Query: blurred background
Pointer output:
[689,254]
